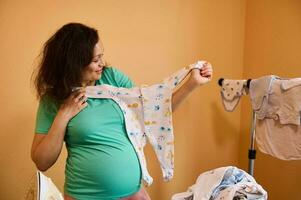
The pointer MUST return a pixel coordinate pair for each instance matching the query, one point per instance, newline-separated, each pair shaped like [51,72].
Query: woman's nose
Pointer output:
[102,62]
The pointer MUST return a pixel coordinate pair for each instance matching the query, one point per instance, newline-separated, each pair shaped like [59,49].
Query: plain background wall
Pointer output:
[147,40]
[272,46]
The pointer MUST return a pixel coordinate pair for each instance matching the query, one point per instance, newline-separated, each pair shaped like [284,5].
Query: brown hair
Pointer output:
[63,58]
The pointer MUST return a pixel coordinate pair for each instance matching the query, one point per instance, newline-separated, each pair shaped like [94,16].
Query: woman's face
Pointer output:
[94,70]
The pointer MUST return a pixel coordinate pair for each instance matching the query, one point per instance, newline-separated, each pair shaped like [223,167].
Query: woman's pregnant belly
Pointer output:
[102,172]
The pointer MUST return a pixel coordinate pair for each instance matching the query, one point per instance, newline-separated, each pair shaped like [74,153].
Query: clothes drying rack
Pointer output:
[252,150]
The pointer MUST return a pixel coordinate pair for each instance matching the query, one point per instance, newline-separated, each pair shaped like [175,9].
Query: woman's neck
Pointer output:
[88,83]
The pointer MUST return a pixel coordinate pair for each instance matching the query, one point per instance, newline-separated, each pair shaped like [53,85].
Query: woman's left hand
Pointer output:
[201,76]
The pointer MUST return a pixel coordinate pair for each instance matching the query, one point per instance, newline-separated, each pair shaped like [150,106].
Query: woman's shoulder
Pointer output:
[113,71]
[114,76]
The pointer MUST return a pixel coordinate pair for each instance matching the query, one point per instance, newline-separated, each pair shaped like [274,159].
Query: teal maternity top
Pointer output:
[101,162]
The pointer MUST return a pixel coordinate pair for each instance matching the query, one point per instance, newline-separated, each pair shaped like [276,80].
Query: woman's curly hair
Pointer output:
[62,60]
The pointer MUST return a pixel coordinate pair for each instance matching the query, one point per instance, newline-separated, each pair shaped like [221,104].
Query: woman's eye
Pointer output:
[96,61]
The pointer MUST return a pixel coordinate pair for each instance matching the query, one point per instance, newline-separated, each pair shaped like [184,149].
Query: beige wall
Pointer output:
[272,46]
[147,40]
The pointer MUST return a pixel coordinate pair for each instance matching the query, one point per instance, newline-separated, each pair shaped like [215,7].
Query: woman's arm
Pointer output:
[197,77]
[46,148]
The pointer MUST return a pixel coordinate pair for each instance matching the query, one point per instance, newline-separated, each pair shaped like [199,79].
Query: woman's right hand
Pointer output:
[73,104]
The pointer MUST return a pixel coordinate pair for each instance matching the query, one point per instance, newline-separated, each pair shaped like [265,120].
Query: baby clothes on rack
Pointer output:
[287,84]
[277,103]
[226,183]
[231,91]
[148,116]
[260,90]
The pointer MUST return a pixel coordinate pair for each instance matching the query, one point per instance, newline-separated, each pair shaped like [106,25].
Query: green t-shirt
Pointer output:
[101,162]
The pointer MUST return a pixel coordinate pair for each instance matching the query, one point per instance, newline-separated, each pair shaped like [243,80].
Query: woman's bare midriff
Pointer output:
[141,195]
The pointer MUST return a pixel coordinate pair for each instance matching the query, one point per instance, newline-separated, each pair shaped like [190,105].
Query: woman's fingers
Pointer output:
[83,105]
[76,91]
[206,71]
[206,68]
[79,97]
[82,100]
